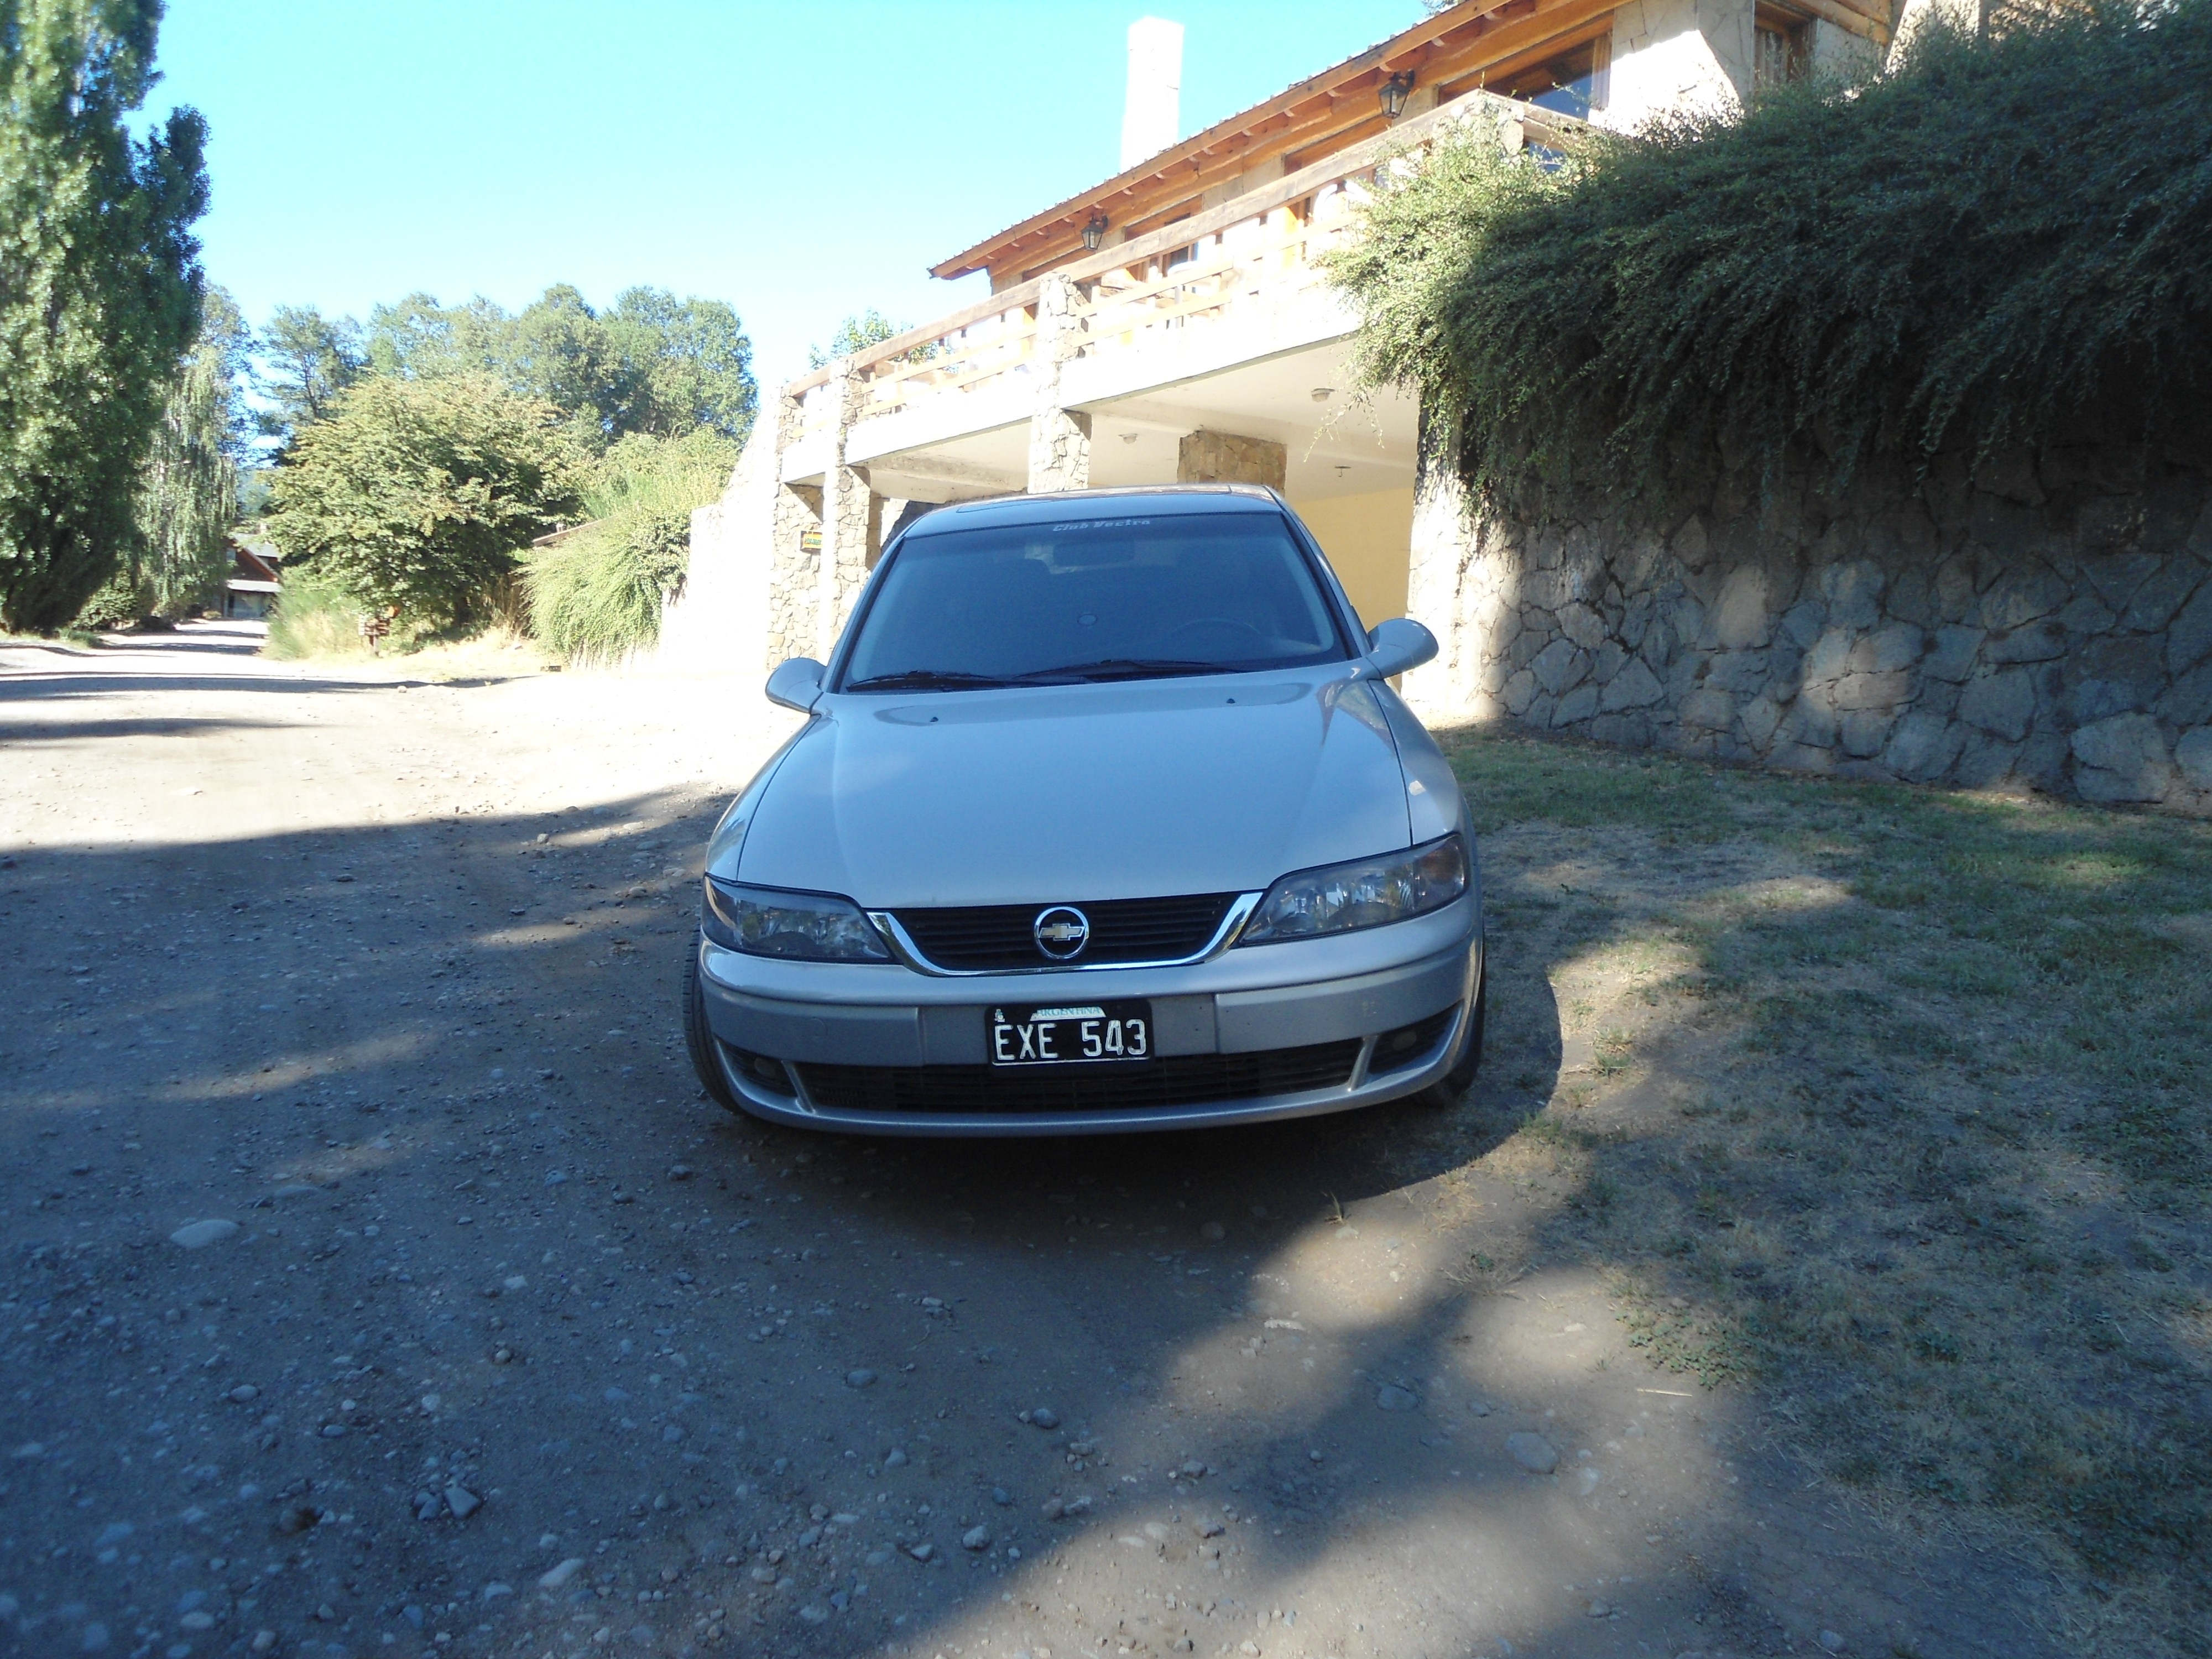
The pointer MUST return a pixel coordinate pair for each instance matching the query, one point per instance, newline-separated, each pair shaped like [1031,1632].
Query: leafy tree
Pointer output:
[854,334]
[100,290]
[312,360]
[187,497]
[419,494]
[650,363]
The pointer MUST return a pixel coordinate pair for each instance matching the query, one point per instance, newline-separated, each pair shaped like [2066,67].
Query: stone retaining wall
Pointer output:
[2044,621]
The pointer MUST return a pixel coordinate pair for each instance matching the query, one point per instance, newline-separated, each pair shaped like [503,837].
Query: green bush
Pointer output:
[1969,252]
[315,616]
[596,595]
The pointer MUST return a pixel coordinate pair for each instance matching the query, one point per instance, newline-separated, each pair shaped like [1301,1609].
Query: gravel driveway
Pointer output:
[378,1279]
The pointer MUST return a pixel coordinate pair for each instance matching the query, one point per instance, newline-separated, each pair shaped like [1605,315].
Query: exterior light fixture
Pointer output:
[1321,394]
[1094,233]
[1392,93]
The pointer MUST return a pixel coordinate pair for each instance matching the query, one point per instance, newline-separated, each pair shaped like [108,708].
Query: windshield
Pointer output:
[1093,598]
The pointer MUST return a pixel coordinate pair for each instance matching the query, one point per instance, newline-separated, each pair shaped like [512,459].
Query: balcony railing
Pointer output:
[1255,253]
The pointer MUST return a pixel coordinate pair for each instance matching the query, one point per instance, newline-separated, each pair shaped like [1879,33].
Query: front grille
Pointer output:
[1122,1086]
[986,938]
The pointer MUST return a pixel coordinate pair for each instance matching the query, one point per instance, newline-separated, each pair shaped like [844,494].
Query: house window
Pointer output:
[1573,84]
[1781,48]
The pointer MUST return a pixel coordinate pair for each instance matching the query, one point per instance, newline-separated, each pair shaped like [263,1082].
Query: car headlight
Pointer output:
[766,922]
[1338,898]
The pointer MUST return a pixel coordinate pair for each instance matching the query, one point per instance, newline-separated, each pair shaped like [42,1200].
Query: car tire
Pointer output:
[699,1036]
[1451,1088]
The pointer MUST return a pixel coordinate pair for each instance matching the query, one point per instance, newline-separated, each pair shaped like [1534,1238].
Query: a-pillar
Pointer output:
[1060,438]
[1208,457]
[851,518]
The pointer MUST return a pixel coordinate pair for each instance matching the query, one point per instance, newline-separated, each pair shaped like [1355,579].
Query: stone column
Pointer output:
[1208,457]
[848,514]
[1060,438]
[795,546]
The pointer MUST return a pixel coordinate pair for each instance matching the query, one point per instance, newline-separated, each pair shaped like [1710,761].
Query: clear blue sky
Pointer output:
[803,161]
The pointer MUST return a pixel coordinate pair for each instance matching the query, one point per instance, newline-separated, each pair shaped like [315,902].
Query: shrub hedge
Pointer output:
[1966,252]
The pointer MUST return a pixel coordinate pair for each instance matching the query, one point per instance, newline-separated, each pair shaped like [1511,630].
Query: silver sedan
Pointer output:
[1105,817]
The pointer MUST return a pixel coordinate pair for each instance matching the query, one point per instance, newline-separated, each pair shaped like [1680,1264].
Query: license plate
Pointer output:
[1062,1034]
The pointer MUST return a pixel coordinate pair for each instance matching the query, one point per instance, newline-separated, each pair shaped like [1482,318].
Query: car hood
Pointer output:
[1078,793]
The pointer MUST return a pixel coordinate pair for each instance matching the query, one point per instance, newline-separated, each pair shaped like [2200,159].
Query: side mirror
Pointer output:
[798,682]
[1398,645]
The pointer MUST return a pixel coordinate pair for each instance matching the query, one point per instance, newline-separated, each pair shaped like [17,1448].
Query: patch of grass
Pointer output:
[1927,1145]
[313,617]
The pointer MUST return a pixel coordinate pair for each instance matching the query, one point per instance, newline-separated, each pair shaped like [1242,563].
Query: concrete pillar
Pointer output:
[1208,457]
[851,518]
[1442,525]
[1060,438]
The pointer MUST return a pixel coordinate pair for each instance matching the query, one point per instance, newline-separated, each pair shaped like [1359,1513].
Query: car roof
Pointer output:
[1063,505]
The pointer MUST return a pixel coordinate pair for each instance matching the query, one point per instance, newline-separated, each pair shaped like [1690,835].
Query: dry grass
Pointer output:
[1899,1105]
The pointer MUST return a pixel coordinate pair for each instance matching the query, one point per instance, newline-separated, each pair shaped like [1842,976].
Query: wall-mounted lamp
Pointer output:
[1392,93]
[1321,394]
[1094,233]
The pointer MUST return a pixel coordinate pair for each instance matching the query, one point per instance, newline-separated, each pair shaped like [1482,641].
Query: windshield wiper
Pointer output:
[928,680]
[1132,668]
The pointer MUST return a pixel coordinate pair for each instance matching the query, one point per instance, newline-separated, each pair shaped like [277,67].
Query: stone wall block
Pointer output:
[1861,733]
[1607,662]
[1936,697]
[2010,475]
[1803,757]
[1634,687]
[1742,619]
[2163,594]
[1542,707]
[1803,622]
[2026,596]
[2193,757]
[1582,625]
[2107,524]
[2001,703]
[1738,671]
[1709,710]
[1952,655]
[2122,759]
[1762,716]
[1911,597]
[2042,641]
[1560,665]
[2112,677]
[1689,545]
[1623,731]
[1636,620]
[2189,639]
[1518,692]
[1956,598]
[2188,700]
[1874,691]
[1825,662]
[1923,747]
[1577,705]
[1852,592]
[1983,760]
[1885,651]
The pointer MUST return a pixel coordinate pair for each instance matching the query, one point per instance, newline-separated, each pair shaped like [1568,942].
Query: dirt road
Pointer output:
[380,1281]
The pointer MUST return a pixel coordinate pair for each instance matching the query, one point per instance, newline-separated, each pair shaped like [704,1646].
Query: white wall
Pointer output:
[1671,55]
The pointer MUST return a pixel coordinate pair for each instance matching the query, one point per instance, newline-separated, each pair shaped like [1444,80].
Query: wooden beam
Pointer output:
[990,251]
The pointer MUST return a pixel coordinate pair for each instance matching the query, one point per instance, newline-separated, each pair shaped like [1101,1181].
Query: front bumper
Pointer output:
[1258,1001]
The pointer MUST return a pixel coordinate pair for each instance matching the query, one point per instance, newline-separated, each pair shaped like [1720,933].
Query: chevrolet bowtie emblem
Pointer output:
[1062,931]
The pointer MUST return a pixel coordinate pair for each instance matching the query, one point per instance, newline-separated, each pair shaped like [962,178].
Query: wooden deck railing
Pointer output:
[1257,251]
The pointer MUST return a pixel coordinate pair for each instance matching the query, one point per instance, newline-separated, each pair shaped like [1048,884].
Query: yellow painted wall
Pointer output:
[1370,539]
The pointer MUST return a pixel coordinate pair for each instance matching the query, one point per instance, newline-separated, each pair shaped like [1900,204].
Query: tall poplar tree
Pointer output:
[99,291]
